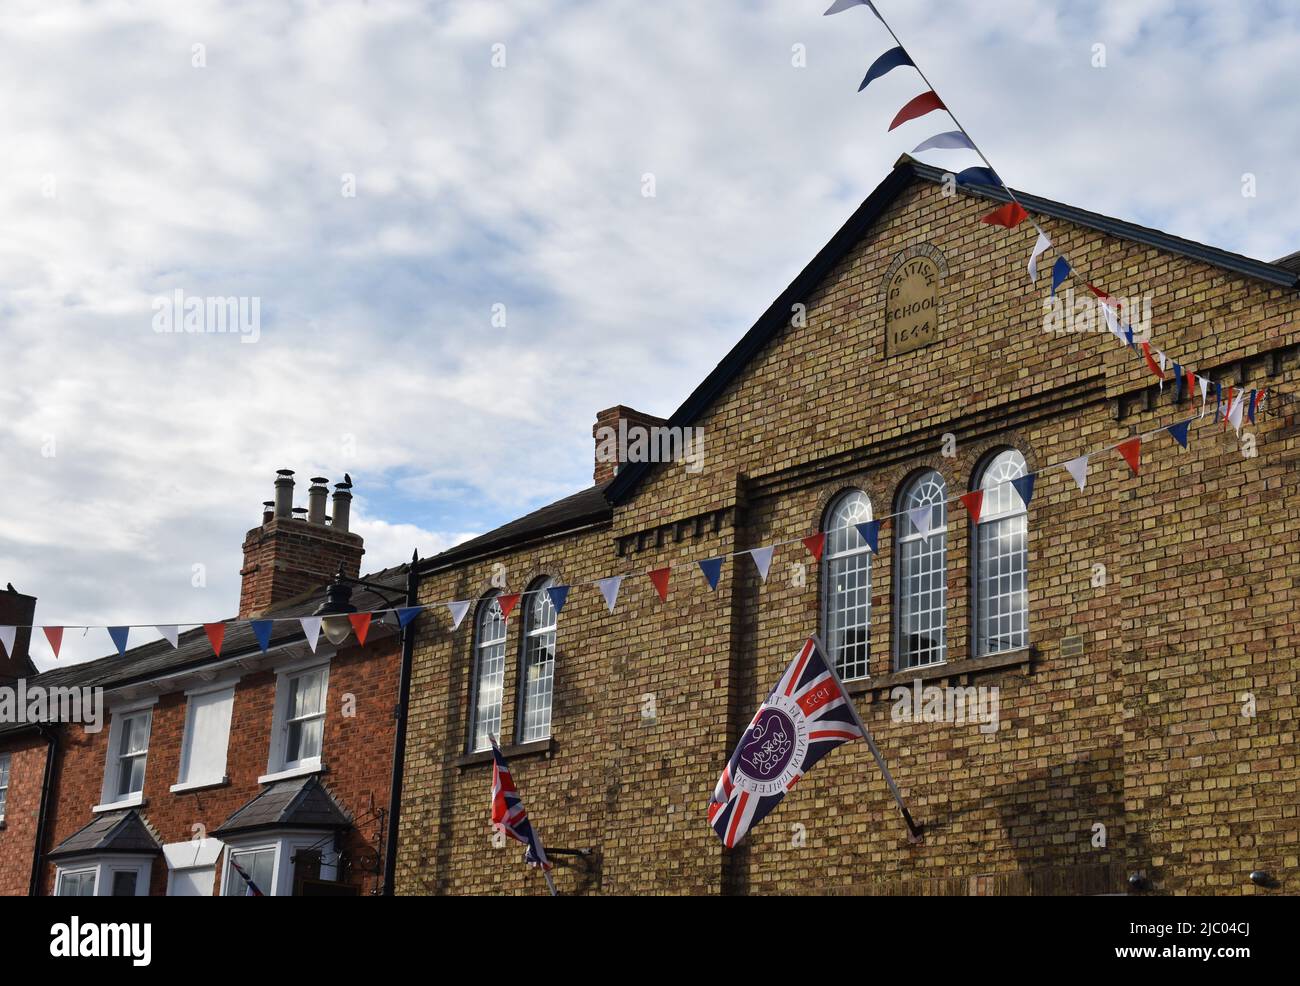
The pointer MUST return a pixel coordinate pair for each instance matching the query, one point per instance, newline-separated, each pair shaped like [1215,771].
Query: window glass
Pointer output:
[846,585]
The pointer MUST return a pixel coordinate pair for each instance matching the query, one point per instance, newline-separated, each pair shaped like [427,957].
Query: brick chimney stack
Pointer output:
[16,610]
[611,434]
[288,555]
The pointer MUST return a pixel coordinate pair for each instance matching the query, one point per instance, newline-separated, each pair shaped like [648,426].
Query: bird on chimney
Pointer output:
[347,479]
[10,587]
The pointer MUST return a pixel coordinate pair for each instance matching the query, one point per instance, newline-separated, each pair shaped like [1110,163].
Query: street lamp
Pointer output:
[336,608]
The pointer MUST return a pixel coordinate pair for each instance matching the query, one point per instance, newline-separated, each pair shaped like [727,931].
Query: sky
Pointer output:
[442,212]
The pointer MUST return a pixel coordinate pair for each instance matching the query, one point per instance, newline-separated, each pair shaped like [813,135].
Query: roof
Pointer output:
[1285,273]
[588,506]
[1290,262]
[301,803]
[112,832]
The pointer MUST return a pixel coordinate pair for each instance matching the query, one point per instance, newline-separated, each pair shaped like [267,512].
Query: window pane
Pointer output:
[259,864]
[539,665]
[204,750]
[124,883]
[1002,559]
[923,576]
[490,648]
[77,884]
[846,585]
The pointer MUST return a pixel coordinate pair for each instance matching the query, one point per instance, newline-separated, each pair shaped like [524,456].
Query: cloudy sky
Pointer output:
[385,176]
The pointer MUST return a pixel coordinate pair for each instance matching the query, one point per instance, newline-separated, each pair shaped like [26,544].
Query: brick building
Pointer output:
[1140,634]
[276,756]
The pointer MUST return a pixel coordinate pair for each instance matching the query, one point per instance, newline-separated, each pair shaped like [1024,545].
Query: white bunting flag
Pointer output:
[1162,370]
[171,633]
[458,610]
[7,638]
[311,629]
[1044,241]
[921,518]
[1078,468]
[1205,392]
[1234,416]
[763,559]
[1112,323]
[609,589]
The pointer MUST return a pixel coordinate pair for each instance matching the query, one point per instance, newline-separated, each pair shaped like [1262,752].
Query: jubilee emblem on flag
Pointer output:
[806,716]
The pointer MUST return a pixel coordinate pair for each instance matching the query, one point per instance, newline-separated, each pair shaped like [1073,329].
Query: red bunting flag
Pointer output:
[925,103]
[660,578]
[1227,408]
[1010,215]
[974,502]
[1146,351]
[507,604]
[1132,451]
[55,636]
[1098,291]
[360,626]
[216,636]
[815,543]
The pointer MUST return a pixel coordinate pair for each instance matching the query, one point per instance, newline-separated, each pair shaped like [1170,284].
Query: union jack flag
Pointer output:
[250,889]
[508,815]
[804,717]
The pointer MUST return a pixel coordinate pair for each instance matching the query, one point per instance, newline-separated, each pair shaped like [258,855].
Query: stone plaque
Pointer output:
[912,299]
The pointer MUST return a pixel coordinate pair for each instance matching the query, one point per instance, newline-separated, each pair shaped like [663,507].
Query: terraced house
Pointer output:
[1139,632]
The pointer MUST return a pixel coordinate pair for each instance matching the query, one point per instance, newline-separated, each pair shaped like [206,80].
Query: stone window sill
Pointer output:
[1022,658]
[544,748]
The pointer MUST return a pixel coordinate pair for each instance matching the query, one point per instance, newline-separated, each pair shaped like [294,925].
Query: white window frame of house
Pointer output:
[213,691]
[196,856]
[285,845]
[921,561]
[846,583]
[537,692]
[6,764]
[490,671]
[103,869]
[997,563]
[277,767]
[110,798]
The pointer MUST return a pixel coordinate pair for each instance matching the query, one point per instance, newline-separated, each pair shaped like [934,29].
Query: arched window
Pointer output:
[489,672]
[846,584]
[1001,563]
[922,633]
[537,675]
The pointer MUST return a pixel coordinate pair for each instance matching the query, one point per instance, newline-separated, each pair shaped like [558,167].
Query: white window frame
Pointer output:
[1001,513]
[109,799]
[6,761]
[534,638]
[182,782]
[103,868]
[906,538]
[277,768]
[285,845]
[486,608]
[845,553]
[196,854]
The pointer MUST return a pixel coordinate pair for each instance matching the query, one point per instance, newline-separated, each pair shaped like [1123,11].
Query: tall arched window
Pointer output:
[489,672]
[1001,564]
[922,629]
[537,675]
[846,584]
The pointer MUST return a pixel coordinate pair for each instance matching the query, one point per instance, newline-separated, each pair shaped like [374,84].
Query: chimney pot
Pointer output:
[283,492]
[342,506]
[268,511]
[316,500]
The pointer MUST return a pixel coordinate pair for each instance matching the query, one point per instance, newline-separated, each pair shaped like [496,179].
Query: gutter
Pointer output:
[52,745]
[401,713]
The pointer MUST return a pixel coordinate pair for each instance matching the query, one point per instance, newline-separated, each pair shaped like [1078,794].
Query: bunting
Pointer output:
[1040,247]
[507,603]
[974,503]
[360,626]
[7,635]
[559,595]
[1024,486]
[869,531]
[457,609]
[170,633]
[921,518]
[609,589]
[1010,215]
[216,636]
[886,63]
[262,631]
[841,5]
[712,569]
[660,578]
[119,635]
[1132,451]
[762,561]
[917,106]
[1078,470]
[950,140]
[55,636]
[1060,271]
[1179,431]
[311,630]
[408,613]
[815,543]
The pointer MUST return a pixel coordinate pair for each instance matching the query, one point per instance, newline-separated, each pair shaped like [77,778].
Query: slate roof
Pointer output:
[1290,262]
[111,832]
[301,803]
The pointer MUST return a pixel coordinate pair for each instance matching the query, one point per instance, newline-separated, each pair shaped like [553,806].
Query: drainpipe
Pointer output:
[51,750]
[399,739]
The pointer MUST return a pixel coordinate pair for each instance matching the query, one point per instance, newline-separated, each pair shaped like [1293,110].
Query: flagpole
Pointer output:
[913,830]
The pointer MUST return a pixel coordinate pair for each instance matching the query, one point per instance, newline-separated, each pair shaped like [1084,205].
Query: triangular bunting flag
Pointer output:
[1234,415]
[216,636]
[712,569]
[171,633]
[842,5]
[921,518]
[55,636]
[1218,399]
[1256,398]
[1010,215]
[1205,392]
[311,630]
[1097,291]
[262,631]
[7,639]
[1024,485]
[660,578]
[1040,247]
[407,613]
[762,560]
[1060,271]
[1179,431]
[457,609]
[360,625]
[609,589]
[870,533]
[920,105]
[119,635]
[815,543]
[1132,452]
[945,141]
[559,595]
[974,503]
[978,176]
[508,603]
[1078,468]
[885,64]
[1151,364]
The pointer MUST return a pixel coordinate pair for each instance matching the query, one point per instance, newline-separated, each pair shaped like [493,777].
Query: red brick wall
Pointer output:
[357,751]
[286,557]
[26,774]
